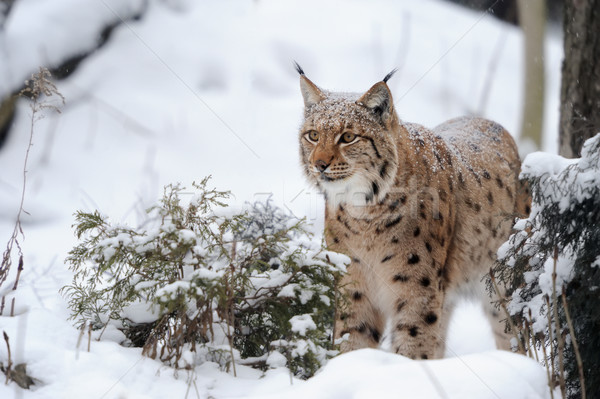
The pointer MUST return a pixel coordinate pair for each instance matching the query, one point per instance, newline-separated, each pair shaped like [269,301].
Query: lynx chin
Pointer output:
[421,212]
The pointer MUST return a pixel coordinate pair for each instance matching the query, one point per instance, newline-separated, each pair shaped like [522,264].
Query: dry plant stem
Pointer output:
[90,336]
[503,305]
[528,339]
[335,307]
[9,365]
[548,375]
[559,338]
[230,316]
[550,339]
[196,388]
[6,263]
[80,337]
[102,332]
[534,340]
[19,270]
[20,267]
[574,343]
[39,85]
[335,314]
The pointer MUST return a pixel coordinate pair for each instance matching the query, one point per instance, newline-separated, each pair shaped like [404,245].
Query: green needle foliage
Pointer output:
[214,285]
[551,266]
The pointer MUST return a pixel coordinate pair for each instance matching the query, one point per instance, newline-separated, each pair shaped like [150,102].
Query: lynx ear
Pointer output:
[379,100]
[310,92]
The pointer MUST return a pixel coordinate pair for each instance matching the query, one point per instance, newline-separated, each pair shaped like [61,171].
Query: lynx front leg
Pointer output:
[419,332]
[496,319]
[358,317]
[501,336]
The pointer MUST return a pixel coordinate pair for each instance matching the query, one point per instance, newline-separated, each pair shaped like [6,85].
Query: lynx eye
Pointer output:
[347,138]
[312,136]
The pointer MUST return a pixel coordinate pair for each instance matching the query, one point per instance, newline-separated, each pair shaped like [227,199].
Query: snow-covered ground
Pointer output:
[198,88]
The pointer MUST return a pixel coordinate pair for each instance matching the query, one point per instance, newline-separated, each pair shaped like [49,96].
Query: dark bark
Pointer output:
[580,120]
[580,92]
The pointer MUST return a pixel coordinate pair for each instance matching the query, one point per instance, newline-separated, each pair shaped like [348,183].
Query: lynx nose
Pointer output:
[321,165]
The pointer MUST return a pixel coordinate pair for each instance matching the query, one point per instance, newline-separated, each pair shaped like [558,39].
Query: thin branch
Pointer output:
[39,89]
[548,375]
[9,364]
[508,317]
[550,339]
[559,338]
[574,343]
[533,337]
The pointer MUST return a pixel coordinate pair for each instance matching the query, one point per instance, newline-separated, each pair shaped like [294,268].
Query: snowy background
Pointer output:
[196,88]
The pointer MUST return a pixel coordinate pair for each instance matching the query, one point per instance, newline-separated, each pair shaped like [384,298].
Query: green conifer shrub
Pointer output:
[251,287]
[553,260]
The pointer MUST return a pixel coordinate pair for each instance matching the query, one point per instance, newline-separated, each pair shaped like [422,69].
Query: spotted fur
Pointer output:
[421,212]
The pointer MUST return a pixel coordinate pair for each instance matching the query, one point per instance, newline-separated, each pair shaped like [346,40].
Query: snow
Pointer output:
[582,175]
[139,312]
[276,359]
[545,279]
[302,323]
[369,373]
[208,88]
[564,184]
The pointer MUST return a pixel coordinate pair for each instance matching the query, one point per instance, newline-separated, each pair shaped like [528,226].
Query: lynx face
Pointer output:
[346,149]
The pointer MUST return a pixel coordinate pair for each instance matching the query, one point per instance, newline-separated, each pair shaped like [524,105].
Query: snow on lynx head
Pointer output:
[348,143]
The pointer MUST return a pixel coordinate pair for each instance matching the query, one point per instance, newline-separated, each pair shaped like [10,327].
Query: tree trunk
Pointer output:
[580,92]
[532,18]
[580,120]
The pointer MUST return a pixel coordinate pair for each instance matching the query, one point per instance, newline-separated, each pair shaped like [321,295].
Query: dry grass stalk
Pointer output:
[529,341]
[559,337]
[230,309]
[502,300]
[40,90]
[574,343]
[534,338]
[548,373]
[550,339]
[89,336]
[8,369]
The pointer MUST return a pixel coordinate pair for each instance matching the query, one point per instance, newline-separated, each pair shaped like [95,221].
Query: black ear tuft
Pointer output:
[389,75]
[298,68]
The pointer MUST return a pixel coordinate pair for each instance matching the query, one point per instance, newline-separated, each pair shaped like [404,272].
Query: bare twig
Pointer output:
[39,89]
[230,310]
[335,307]
[559,338]
[533,337]
[550,339]
[528,339]
[548,375]
[574,343]
[90,335]
[508,318]
[9,364]
[79,338]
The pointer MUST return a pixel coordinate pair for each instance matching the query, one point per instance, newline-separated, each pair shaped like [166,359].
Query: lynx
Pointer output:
[421,213]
